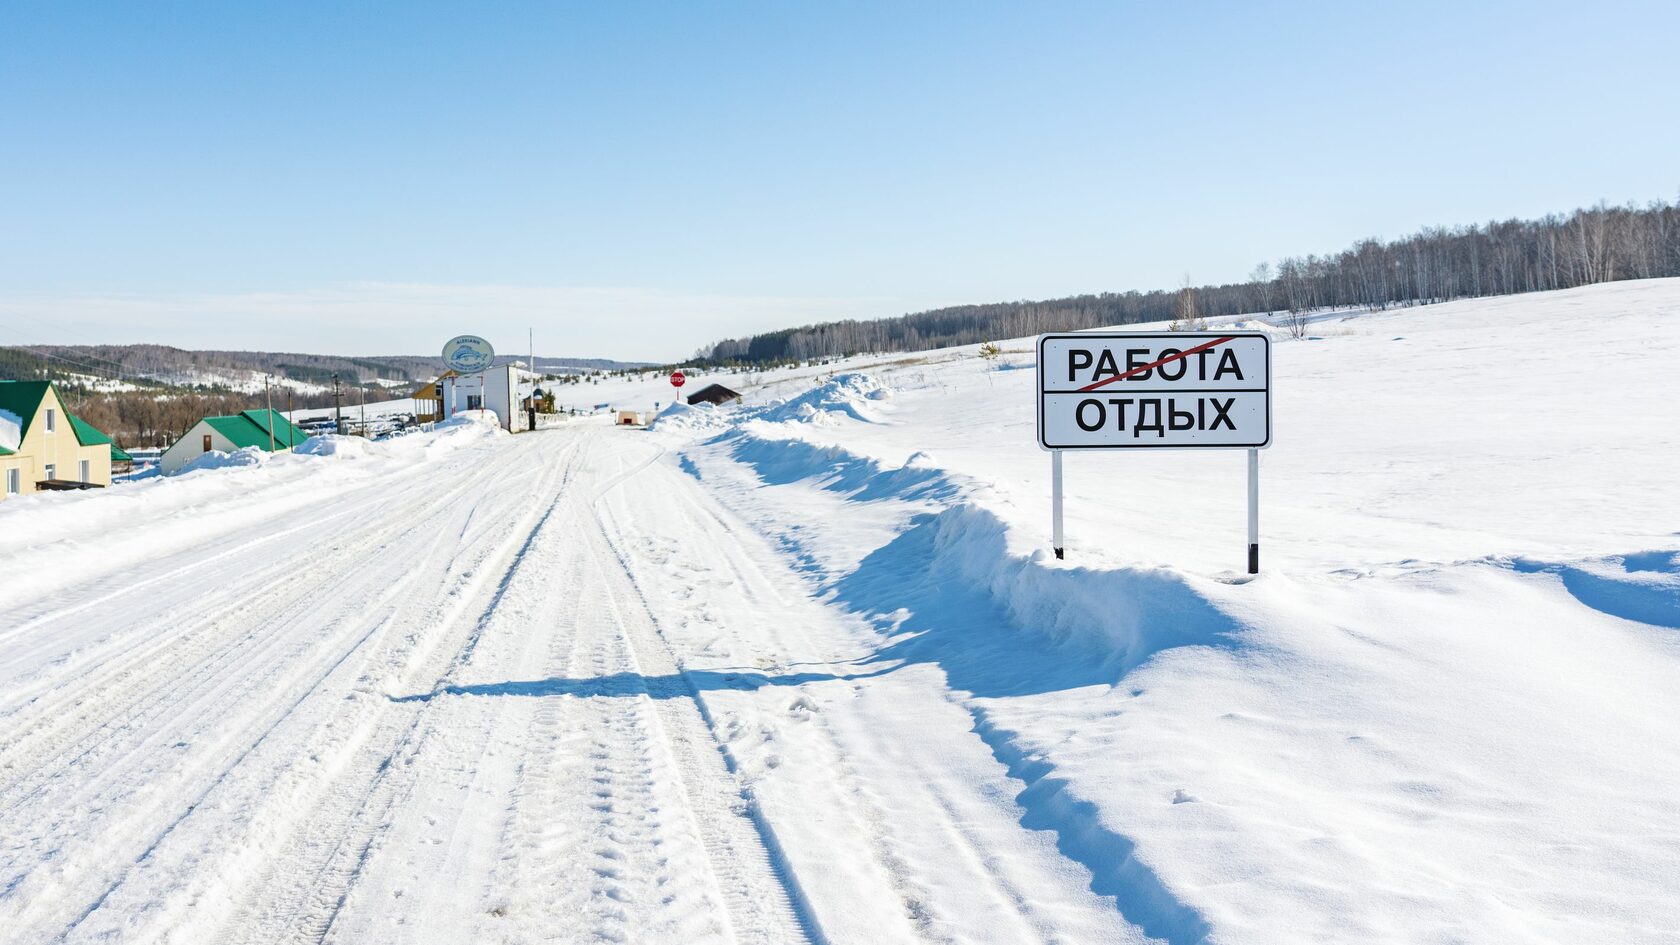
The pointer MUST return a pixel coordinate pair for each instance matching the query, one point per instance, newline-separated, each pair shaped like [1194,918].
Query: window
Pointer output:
[52,420]
[14,481]
[85,470]
[52,471]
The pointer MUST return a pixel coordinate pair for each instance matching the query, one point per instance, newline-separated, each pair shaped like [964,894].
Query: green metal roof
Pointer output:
[24,399]
[118,456]
[251,428]
[85,433]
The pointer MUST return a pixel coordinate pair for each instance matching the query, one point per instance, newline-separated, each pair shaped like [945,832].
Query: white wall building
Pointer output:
[498,390]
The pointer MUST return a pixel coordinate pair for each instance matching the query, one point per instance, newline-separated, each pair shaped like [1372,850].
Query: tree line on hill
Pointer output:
[154,414]
[1603,243]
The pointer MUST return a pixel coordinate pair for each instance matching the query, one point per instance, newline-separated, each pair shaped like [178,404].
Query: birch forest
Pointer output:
[1603,243]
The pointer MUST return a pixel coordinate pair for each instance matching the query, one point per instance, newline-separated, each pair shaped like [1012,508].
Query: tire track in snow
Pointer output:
[266,733]
[148,686]
[312,879]
[972,825]
[647,645]
[185,650]
[615,835]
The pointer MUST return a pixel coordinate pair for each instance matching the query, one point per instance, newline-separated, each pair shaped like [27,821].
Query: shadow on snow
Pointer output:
[1646,589]
[628,685]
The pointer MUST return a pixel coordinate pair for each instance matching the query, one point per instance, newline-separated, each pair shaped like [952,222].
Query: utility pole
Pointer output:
[338,407]
[269,396]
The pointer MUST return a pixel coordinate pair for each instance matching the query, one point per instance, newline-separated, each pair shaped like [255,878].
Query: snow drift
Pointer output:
[1435,715]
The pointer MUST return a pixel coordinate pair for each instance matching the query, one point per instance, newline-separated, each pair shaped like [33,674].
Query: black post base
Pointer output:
[1254,559]
[1058,554]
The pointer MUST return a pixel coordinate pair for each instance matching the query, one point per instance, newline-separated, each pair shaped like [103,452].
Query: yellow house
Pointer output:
[428,400]
[42,443]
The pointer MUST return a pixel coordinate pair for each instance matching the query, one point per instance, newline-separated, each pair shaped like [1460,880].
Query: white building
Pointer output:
[266,430]
[498,390]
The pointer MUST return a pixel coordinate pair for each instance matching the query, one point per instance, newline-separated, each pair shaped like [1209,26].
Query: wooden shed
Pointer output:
[715,394]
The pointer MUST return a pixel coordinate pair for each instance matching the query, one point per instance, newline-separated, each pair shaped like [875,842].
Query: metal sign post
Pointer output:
[1056,502]
[1156,390]
[1253,511]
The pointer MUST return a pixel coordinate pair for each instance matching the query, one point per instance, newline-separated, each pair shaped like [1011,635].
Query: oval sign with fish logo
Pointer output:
[468,354]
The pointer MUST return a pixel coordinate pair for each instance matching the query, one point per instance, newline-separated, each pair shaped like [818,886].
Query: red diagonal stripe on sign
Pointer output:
[1155,364]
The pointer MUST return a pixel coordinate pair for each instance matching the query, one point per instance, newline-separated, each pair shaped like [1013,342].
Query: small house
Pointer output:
[44,446]
[714,394]
[264,429]
[428,400]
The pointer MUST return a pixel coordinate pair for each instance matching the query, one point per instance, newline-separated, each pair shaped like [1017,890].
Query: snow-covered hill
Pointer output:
[1448,710]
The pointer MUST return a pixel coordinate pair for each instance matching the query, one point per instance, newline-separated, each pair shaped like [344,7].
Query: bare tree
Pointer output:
[1185,314]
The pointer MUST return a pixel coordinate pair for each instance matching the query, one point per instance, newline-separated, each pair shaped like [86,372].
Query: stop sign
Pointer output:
[677,379]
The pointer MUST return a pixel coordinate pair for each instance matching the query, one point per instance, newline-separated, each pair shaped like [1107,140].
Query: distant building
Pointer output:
[428,400]
[45,446]
[226,434]
[715,394]
[495,389]
[628,418]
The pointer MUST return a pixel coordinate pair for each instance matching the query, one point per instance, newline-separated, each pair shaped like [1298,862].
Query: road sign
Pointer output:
[468,354]
[677,379]
[1154,390]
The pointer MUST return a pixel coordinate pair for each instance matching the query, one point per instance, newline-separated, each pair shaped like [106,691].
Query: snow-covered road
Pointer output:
[530,691]
[803,672]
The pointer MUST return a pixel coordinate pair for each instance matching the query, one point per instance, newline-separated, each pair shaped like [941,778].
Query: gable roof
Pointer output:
[23,398]
[119,456]
[251,428]
[712,394]
[86,434]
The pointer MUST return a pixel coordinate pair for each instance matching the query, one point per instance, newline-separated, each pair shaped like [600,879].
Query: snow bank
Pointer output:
[1459,662]
[681,417]
[335,445]
[216,494]
[242,458]
[1120,617]
[844,396]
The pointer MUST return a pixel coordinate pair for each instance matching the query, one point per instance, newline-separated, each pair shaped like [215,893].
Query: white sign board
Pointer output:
[1156,389]
[468,354]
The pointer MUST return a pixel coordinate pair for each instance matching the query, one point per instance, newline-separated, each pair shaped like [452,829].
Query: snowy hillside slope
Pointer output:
[1448,710]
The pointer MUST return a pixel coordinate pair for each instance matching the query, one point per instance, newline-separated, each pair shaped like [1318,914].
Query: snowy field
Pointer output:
[804,671]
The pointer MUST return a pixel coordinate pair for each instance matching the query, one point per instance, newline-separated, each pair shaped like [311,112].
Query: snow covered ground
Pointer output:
[803,671]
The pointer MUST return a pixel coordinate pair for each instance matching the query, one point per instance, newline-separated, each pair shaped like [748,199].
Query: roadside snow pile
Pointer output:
[11,430]
[785,461]
[683,417]
[216,494]
[1118,617]
[843,396]
[242,458]
[1459,662]
[332,444]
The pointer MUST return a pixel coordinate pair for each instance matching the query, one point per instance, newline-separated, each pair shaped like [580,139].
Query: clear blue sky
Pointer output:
[637,179]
